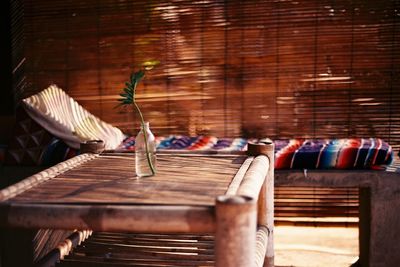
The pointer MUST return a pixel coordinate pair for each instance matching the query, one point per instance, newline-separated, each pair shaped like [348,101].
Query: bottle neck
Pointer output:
[145,126]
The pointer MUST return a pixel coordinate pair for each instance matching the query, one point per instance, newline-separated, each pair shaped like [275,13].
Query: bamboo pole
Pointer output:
[254,178]
[237,180]
[262,219]
[261,245]
[114,218]
[266,197]
[236,220]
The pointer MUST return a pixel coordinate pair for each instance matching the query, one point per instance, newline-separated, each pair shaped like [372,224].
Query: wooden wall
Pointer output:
[230,68]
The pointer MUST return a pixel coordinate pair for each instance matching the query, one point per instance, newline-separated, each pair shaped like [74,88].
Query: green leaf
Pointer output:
[132,78]
[128,94]
[128,91]
[139,75]
[136,77]
[129,85]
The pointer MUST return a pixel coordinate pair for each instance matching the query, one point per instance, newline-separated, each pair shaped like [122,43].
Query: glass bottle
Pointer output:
[145,155]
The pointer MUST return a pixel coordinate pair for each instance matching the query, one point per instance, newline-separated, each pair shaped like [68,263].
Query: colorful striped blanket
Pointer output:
[354,153]
[292,154]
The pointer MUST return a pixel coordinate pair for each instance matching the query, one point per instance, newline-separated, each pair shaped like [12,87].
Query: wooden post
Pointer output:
[235,239]
[266,196]
[364,225]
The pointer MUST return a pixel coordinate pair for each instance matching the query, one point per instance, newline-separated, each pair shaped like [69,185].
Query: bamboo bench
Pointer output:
[379,211]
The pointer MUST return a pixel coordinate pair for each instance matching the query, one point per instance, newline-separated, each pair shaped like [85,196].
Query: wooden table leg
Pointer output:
[235,240]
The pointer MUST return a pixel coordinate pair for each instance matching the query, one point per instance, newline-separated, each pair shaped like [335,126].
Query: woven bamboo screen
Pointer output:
[230,68]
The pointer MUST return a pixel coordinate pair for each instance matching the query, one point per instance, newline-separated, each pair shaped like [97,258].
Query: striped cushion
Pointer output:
[289,154]
[292,154]
[332,154]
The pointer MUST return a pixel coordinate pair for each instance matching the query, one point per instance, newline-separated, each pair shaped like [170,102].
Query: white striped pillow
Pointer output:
[65,118]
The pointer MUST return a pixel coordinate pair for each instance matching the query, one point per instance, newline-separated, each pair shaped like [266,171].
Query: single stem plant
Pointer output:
[128,98]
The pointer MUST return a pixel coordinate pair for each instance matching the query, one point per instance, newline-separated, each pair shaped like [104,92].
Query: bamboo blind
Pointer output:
[278,68]
[316,206]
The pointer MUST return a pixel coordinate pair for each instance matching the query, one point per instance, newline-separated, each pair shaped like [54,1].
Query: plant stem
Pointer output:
[145,138]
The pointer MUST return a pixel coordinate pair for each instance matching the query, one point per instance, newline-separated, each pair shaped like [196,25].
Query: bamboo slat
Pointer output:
[192,180]
[64,248]
[45,175]
[46,240]
[121,249]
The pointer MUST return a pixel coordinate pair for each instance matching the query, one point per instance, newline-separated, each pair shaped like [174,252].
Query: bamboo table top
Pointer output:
[103,193]
[111,179]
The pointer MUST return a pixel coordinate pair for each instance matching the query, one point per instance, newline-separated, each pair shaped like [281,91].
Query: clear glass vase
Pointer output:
[145,156]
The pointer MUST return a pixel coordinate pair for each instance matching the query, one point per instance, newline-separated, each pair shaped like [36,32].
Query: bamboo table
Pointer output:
[227,196]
